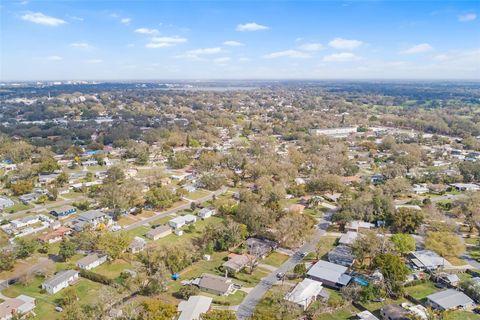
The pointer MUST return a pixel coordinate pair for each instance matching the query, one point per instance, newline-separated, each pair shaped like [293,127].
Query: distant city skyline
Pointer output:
[148,40]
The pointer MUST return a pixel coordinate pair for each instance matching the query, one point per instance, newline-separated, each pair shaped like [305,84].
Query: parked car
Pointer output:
[280,275]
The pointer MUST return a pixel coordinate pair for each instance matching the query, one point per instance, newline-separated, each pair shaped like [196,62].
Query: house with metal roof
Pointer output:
[91,261]
[342,255]
[330,274]
[427,260]
[450,299]
[60,281]
[305,292]
[194,307]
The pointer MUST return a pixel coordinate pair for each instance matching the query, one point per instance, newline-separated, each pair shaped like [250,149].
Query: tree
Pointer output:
[300,269]
[25,247]
[366,247]
[186,292]
[469,207]
[7,259]
[331,183]
[293,228]
[113,244]
[155,309]
[403,243]
[218,315]
[67,249]
[48,165]
[61,179]
[446,244]
[212,181]
[115,174]
[406,220]
[160,197]
[394,271]
[21,187]
[179,160]
[153,271]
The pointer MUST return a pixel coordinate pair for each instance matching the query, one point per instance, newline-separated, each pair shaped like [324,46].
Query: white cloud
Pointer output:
[125,20]
[311,46]
[76,18]
[244,59]
[419,48]
[146,31]
[163,42]
[54,58]
[251,26]
[467,17]
[222,60]
[341,57]
[233,43]
[345,44]
[40,18]
[295,54]
[82,45]
[205,51]
[94,61]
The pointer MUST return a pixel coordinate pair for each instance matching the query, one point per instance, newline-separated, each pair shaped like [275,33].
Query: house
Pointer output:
[159,232]
[420,188]
[92,218]
[427,260]
[366,315]
[299,181]
[333,197]
[63,211]
[194,307]
[179,222]
[237,262]
[55,236]
[60,281]
[217,285]
[91,261]
[190,188]
[27,221]
[417,310]
[330,274]
[357,225]
[394,312]
[260,248]
[137,245]
[6,203]
[206,213]
[29,197]
[305,293]
[341,255]
[348,238]
[449,279]
[449,299]
[22,305]
[45,179]
[465,186]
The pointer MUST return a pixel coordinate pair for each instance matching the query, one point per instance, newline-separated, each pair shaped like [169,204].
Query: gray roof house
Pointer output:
[427,260]
[215,284]
[450,299]
[394,312]
[348,238]
[330,274]
[60,281]
[91,261]
[341,255]
[194,307]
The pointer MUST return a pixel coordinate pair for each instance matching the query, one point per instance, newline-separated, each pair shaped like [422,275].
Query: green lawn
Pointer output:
[163,220]
[197,194]
[275,259]
[71,195]
[343,313]
[113,269]
[18,206]
[87,292]
[461,315]
[230,300]
[420,291]
[138,232]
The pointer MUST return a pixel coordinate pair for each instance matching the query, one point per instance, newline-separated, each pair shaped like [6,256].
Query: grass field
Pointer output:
[275,259]
[18,206]
[87,292]
[420,291]
[197,194]
[461,315]
[113,269]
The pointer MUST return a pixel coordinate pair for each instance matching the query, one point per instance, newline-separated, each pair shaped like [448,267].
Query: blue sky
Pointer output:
[121,40]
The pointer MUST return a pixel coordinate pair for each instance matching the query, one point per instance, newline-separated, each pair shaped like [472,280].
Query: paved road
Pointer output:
[174,210]
[41,207]
[247,307]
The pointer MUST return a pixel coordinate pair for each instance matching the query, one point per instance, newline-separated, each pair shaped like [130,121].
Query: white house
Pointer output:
[20,305]
[305,293]
[91,261]
[159,232]
[179,222]
[206,213]
[60,281]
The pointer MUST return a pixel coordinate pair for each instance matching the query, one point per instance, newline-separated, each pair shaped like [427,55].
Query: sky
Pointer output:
[147,40]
